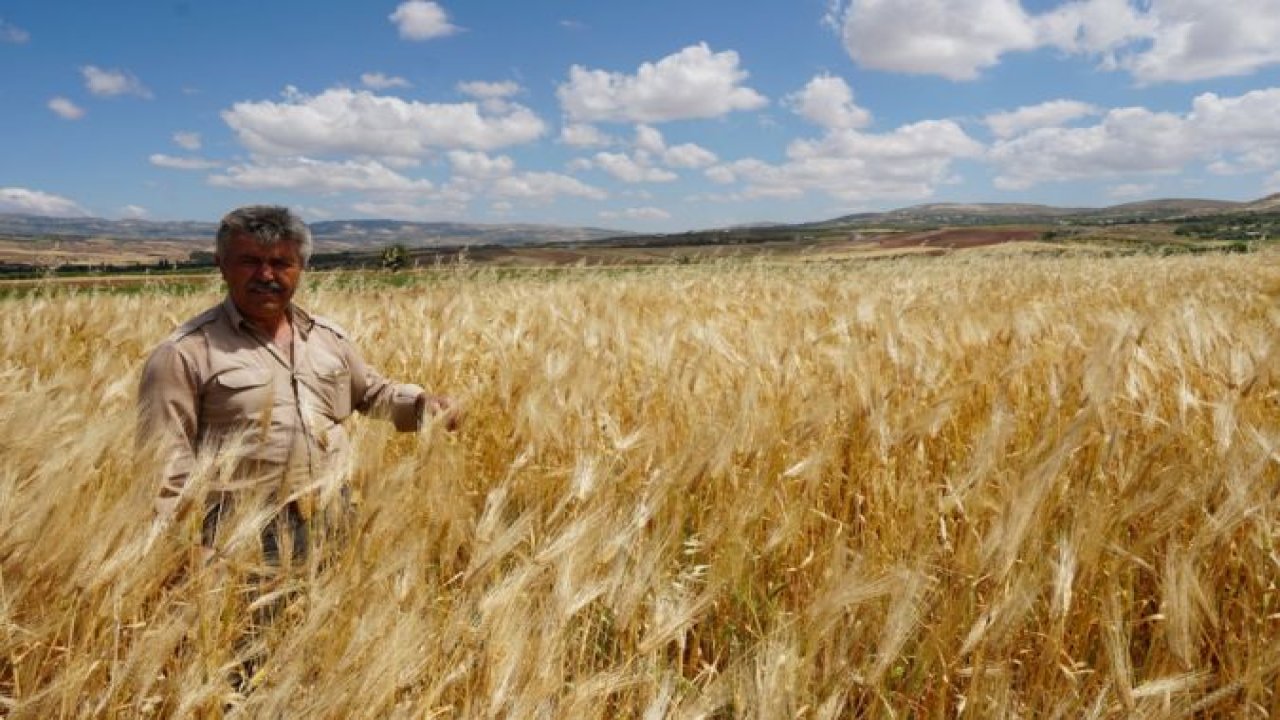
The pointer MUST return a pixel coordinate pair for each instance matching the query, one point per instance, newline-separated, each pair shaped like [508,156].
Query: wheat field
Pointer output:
[976,486]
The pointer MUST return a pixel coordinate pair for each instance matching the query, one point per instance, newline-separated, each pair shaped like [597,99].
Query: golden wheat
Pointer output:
[989,486]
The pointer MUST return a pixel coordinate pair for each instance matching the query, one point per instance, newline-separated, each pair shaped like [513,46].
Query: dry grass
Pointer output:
[989,487]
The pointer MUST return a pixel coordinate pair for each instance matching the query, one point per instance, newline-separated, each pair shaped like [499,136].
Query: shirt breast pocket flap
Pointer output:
[240,395]
[244,378]
[334,386]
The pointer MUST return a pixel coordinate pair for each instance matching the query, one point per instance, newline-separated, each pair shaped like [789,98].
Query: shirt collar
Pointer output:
[301,319]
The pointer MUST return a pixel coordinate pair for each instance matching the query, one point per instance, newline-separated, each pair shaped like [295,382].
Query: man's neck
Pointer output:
[278,330]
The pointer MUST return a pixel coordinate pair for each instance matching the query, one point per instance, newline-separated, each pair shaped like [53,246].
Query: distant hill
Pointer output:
[378,233]
[171,239]
[15,225]
[1006,213]
[328,235]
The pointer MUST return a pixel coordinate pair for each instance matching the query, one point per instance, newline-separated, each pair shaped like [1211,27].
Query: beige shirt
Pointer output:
[218,385]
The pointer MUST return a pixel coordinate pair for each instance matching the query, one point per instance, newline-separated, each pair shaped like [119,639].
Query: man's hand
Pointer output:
[441,408]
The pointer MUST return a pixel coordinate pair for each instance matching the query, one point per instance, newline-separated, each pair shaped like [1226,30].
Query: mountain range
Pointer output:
[365,234]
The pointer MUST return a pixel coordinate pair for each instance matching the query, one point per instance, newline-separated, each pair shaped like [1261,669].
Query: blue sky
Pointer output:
[654,116]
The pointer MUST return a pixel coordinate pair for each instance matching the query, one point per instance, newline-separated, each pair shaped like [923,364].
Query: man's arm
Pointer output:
[404,404]
[167,421]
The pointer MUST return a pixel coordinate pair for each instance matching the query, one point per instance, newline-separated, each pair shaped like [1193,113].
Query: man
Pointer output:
[261,389]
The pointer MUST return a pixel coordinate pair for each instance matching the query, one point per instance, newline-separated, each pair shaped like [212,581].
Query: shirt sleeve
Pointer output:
[378,397]
[168,419]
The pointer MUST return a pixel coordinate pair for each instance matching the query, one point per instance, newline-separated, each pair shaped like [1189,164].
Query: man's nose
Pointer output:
[264,271]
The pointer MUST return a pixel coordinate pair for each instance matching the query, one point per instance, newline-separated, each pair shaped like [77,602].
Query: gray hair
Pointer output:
[268,224]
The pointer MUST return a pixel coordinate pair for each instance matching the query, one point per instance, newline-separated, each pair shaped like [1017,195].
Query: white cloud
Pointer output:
[1046,114]
[1201,39]
[112,83]
[1127,140]
[489,90]
[853,166]
[419,211]
[1098,27]
[544,187]
[638,213]
[65,108]
[693,83]
[421,20]
[343,121]
[187,140]
[584,135]
[721,174]
[318,176]
[380,81]
[827,101]
[956,39]
[627,169]
[1237,123]
[134,212]
[480,166]
[1129,191]
[12,34]
[35,202]
[651,144]
[312,213]
[689,155]
[181,163]
[1229,135]
[1153,40]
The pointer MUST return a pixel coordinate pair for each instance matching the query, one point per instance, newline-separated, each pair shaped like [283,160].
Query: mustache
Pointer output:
[267,286]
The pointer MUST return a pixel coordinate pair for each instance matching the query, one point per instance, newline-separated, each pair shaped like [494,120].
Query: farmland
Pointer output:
[985,484]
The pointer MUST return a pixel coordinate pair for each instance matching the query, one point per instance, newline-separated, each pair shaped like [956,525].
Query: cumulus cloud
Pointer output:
[134,212]
[692,83]
[173,162]
[489,90]
[112,83]
[1155,41]
[66,109]
[628,169]
[421,20]
[827,101]
[380,81]
[584,135]
[637,213]
[651,144]
[421,210]
[318,176]
[1096,27]
[36,202]
[853,166]
[187,140]
[1227,134]
[1200,39]
[544,187]
[1130,191]
[480,166]
[956,39]
[1127,140]
[1047,114]
[12,34]
[343,121]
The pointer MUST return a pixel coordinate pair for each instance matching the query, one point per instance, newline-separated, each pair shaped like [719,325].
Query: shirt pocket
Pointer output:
[240,396]
[332,385]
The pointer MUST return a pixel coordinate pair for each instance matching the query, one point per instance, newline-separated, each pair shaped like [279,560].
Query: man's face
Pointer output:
[261,279]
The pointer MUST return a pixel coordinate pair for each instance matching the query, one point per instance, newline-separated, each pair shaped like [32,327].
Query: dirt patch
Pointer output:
[960,238]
